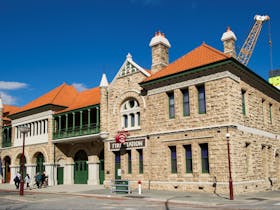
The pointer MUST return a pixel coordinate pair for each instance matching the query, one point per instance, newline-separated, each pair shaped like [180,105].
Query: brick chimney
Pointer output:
[228,40]
[160,57]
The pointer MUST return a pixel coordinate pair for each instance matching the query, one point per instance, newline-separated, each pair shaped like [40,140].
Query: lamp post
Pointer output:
[229,168]
[24,130]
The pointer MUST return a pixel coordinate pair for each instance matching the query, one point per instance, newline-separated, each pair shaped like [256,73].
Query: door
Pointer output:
[7,170]
[117,165]
[101,167]
[60,173]
[80,168]
[101,171]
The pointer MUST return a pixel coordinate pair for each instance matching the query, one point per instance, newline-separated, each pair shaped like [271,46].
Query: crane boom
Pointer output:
[249,45]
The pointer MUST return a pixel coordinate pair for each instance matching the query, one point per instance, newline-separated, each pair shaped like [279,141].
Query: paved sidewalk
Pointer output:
[199,198]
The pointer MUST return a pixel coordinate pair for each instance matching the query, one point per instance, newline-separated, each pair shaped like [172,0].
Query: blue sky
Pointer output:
[48,42]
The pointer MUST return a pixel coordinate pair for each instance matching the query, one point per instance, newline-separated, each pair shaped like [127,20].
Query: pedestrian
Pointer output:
[43,178]
[27,181]
[17,179]
[38,179]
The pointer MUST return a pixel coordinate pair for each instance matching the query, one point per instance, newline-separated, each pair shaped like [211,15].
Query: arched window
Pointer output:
[130,114]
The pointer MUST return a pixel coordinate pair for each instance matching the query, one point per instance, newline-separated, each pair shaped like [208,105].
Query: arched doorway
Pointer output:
[80,167]
[40,163]
[101,167]
[7,172]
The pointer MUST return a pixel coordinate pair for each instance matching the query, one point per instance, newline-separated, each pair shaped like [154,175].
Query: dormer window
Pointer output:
[130,113]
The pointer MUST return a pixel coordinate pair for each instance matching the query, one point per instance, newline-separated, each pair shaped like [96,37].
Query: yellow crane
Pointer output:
[249,45]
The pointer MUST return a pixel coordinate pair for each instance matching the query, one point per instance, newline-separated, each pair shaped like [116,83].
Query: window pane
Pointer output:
[186,103]
[201,99]
[204,158]
[129,169]
[173,159]
[141,168]
[171,105]
[125,121]
[138,114]
[188,151]
[132,120]
[243,92]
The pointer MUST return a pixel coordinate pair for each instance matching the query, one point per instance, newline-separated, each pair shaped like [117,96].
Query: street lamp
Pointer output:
[24,130]
[229,168]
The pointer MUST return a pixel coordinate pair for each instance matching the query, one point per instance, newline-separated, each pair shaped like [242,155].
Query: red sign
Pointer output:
[121,136]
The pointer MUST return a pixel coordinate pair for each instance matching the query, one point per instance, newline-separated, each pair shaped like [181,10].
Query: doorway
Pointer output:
[80,167]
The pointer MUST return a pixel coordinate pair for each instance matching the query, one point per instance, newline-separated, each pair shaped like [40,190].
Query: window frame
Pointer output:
[201,100]
[204,159]
[243,101]
[140,161]
[186,103]
[171,105]
[129,162]
[189,165]
[173,159]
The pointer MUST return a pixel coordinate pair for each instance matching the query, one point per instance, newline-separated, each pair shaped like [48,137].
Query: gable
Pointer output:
[129,67]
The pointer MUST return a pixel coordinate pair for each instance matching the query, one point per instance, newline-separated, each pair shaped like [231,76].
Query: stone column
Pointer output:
[68,176]
[31,170]
[14,169]
[51,173]
[93,170]
[3,178]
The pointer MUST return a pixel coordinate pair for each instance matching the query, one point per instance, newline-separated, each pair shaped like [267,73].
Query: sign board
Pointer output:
[121,136]
[119,172]
[139,143]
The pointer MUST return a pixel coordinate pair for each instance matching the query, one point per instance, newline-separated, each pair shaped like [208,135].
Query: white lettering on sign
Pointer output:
[128,144]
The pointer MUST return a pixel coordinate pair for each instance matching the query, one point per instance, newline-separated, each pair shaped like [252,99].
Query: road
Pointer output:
[38,201]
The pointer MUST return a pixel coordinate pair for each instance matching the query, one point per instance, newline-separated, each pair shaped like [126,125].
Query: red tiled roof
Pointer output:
[63,95]
[202,55]
[85,98]
[10,109]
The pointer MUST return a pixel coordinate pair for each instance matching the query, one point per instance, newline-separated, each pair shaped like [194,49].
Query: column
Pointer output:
[88,121]
[46,126]
[81,121]
[69,171]
[59,126]
[93,170]
[4,173]
[14,169]
[51,173]
[66,124]
[31,170]
[73,130]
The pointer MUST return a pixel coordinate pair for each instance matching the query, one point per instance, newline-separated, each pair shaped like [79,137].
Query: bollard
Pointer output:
[139,187]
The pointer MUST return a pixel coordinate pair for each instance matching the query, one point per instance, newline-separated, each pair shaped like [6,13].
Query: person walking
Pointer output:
[38,179]
[27,181]
[17,180]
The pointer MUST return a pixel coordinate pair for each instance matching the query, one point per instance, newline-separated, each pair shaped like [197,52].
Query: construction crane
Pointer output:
[249,45]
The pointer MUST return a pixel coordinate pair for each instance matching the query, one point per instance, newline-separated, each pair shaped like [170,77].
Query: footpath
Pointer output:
[195,198]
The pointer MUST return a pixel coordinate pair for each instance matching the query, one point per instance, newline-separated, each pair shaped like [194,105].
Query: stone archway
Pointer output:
[80,167]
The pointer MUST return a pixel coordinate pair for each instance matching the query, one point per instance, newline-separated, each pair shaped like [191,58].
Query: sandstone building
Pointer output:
[177,120]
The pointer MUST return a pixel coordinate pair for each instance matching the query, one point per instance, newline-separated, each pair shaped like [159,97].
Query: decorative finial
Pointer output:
[129,56]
